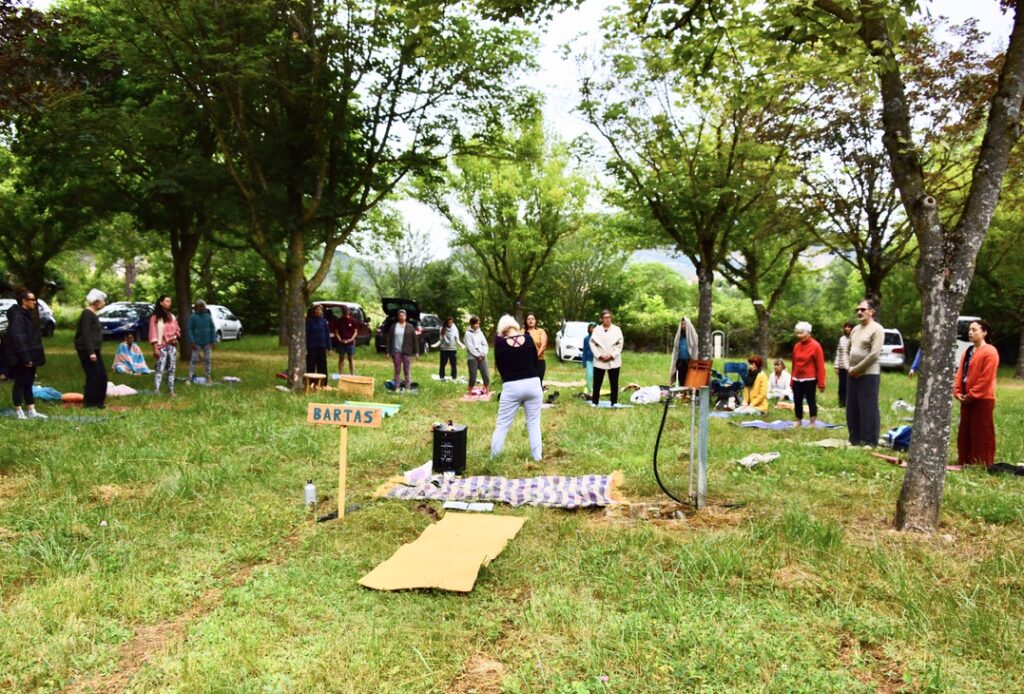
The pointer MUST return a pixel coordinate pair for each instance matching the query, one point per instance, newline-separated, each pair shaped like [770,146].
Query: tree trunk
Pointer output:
[282,310]
[131,274]
[1020,354]
[184,243]
[705,280]
[764,331]
[295,320]
[923,485]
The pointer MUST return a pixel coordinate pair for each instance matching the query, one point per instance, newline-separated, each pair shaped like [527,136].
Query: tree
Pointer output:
[512,207]
[320,109]
[691,158]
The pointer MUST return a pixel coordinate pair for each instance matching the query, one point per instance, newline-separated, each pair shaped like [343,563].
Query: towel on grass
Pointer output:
[46,393]
[780,424]
[552,491]
[757,458]
[119,391]
[449,379]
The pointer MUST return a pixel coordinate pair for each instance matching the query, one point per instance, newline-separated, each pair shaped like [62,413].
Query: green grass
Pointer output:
[792,581]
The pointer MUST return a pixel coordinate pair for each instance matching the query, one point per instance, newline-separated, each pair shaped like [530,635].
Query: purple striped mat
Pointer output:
[550,490]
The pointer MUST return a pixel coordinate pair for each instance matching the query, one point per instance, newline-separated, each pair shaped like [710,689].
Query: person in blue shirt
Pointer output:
[318,340]
[684,348]
[916,365]
[588,359]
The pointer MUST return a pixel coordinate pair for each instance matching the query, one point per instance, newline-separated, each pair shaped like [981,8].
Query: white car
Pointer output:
[893,354]
[228,327]
[47,323]
[569,340]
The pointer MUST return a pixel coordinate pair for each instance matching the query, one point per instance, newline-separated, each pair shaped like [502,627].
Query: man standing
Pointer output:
[202,334]
[862,417]
[842,361]
[23,349]
[344,331]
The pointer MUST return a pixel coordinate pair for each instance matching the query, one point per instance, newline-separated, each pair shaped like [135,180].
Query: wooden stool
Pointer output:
[313,381]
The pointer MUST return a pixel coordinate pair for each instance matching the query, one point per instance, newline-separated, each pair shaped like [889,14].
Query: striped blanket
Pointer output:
[551,490]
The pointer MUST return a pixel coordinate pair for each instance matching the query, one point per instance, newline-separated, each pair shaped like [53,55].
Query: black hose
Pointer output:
[657,444]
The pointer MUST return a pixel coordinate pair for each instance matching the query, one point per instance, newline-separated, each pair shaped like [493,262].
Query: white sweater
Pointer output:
[476,343]
[607,342]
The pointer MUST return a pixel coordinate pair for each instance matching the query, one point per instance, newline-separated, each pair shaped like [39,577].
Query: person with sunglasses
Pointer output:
[23,350]
[863,420]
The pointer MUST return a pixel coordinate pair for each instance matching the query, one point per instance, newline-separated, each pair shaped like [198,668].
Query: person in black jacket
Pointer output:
[88,343]
[23,349]
[515,355]
[318,340]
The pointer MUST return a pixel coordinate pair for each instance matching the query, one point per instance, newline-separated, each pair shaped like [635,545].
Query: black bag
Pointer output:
[449,448]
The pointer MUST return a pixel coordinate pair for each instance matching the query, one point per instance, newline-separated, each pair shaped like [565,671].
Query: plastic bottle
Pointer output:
[309,494]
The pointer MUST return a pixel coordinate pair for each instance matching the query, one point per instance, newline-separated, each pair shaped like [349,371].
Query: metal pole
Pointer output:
[702,451]
[693,442]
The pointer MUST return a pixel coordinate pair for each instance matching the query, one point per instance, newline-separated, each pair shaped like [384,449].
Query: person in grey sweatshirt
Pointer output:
[476,345]
[448,343]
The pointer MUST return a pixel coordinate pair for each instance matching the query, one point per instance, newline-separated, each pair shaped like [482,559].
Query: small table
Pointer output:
[313,381]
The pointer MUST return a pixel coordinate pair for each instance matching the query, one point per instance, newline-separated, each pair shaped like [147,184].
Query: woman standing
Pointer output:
[588,359]
[318,340]
[402,346]
[23,348]
[515,355]
[476,345]
[88,343]
[164,333]
[606,342]
[540,339]
[448,342]
[808,372]
[975,388]
[684,348]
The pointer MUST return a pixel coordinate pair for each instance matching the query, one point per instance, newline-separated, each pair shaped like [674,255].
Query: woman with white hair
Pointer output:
[807,373]
[88,343]
[515,355]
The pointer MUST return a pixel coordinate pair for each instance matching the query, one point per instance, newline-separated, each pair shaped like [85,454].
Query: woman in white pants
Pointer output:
[515,355]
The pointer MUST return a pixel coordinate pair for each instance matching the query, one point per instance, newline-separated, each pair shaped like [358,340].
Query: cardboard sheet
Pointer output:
[447,555]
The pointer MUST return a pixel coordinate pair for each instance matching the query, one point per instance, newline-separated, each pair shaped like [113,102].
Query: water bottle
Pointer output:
[309,494]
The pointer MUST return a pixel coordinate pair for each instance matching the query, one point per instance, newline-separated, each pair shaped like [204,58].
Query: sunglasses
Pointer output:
[859,309]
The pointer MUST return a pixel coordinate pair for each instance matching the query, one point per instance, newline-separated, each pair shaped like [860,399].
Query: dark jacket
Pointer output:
[515,363]
[318,334]
[201,330]
[410,342]
[23,342]
[89,333]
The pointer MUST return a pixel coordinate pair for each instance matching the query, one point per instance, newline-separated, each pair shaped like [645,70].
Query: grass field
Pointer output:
[209,576]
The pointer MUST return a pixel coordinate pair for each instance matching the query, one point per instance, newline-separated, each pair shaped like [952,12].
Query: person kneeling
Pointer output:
[755,390]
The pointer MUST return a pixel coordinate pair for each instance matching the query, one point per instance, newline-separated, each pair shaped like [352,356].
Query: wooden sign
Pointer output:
[344,415]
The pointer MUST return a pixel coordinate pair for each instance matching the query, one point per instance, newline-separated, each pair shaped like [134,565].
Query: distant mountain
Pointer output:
[677,262]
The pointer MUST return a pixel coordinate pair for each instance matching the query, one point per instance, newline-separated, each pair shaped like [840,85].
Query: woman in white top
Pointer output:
[606,343]
[779,386]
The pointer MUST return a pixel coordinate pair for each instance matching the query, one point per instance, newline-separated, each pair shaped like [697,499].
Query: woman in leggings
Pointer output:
[808,373]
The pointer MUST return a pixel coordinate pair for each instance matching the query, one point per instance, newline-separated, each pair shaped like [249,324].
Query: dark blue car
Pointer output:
[122,317]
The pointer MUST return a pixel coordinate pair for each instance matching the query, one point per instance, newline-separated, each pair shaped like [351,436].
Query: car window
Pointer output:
[962,329]
[893,338]
[119,313]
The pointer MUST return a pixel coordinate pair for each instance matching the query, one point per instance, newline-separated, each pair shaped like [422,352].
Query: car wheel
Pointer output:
[219,337]
[238,335]
[48,329]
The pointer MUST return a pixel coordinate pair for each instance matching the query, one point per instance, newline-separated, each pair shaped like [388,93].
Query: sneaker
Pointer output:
[33,414]
[20,414]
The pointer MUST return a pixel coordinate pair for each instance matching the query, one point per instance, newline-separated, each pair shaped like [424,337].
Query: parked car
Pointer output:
[390,306]
[123,317]
[963,325]
[430,327]
[893,354]
[569,340]
[47,323]
[228,327]
[357,312]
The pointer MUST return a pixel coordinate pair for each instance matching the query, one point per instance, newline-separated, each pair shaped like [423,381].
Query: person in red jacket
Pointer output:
[975,388]
[808,373]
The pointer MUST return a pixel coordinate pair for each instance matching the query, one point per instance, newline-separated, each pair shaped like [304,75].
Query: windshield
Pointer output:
[119,313]
[575,329]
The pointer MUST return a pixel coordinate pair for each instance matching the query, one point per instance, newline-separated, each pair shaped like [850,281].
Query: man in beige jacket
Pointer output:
[862,417]
[606,343]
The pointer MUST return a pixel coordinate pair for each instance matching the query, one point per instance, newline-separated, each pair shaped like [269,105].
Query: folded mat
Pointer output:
[447,555]
[785,424]
[550,490]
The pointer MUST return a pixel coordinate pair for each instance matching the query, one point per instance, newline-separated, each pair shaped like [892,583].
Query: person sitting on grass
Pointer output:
[755,391]
[129,359]
[779,384]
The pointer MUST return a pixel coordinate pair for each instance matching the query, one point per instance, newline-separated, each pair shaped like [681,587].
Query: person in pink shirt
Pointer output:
[164,333]
[808,373]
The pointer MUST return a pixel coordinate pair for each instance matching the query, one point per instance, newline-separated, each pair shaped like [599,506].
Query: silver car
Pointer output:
[228,327]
